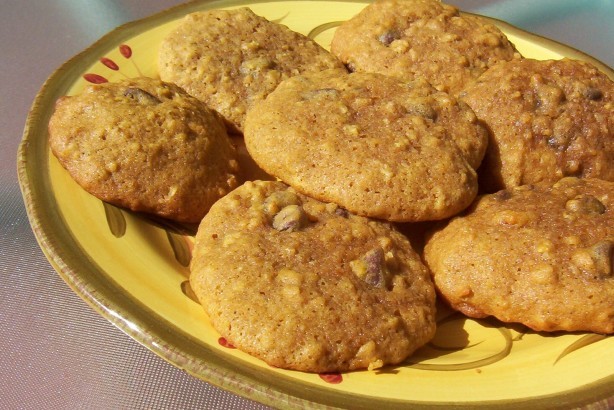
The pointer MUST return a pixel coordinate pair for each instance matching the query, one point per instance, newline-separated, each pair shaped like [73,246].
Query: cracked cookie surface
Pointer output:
[373,144]
[306,285]
[231,59]
[145,145]
[548,119]
[538,255]
[421,39]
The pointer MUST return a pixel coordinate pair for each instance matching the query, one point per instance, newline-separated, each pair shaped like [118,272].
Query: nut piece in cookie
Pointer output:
[231,59]
[421,39]
[548,119]
[375,145]
[306,285]
[145,145]
[541,255]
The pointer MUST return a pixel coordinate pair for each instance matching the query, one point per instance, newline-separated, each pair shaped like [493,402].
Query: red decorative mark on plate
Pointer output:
[223,342]
[109,63]
[125,50]
[332,378]
[95,78]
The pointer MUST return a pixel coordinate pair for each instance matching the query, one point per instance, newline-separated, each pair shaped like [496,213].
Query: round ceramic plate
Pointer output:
[134,271]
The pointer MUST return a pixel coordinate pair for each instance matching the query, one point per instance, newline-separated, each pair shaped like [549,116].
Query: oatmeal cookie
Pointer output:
[539,255]
[373,144]
[421,39]
[145,145]
[306,285]
[231,59]
[548,119]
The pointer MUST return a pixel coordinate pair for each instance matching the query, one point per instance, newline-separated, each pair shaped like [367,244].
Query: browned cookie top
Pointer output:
[421,39]
[539,255]
[306,285]
[548,119]
[371,143]
[145,145]
[231,59]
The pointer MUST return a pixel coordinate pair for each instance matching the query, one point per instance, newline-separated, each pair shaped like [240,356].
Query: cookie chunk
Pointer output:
[145,145]
[375,145]
[421,39]
[231,59]
[538,255]
[306,285]
[548,119]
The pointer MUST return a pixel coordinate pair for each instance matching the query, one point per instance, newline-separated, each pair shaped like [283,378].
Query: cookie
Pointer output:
[231,59]
[541,255]
[145,145]
[373,144]
[421,39]
[305,285]
[548,119]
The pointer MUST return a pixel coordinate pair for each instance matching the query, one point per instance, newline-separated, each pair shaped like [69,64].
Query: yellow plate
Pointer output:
[133,271]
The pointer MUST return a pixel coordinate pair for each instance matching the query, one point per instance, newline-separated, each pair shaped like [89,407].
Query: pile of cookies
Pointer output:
[303,166]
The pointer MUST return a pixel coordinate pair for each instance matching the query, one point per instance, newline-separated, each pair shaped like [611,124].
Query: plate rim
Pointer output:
[146,326]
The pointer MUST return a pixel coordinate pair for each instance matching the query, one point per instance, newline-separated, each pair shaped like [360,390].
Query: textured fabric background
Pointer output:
[57,353]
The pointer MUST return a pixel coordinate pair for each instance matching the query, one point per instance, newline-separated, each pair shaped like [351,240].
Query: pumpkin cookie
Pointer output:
[375,145]
[421,39]
[538,255]
[306,285]
[231,59]
[548,119]
[145,145]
